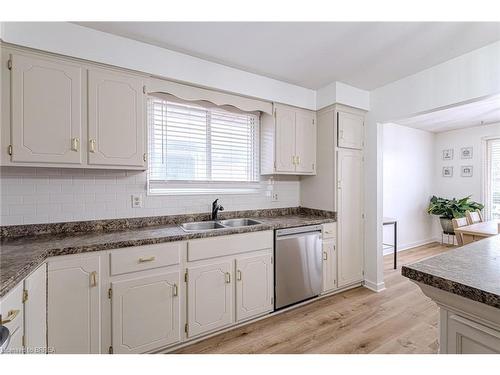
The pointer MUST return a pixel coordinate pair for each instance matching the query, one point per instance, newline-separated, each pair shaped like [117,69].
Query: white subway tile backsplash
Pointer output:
[41,195]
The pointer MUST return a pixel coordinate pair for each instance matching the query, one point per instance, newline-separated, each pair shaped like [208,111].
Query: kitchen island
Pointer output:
[465,284]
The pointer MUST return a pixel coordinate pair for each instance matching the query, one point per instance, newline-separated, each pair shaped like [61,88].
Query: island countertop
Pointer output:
[471,271]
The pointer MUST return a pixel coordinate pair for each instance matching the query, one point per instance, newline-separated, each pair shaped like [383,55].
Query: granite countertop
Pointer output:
[20,256]
[471,271]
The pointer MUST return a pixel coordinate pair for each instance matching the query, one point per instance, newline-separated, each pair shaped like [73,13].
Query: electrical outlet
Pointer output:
[136,200]
[274,197]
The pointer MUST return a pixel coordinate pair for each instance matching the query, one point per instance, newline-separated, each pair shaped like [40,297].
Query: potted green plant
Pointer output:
[449,209]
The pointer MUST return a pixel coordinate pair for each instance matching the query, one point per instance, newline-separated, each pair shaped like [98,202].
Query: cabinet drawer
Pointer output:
[145,257]
[330,230]
[11,308]
[206,248]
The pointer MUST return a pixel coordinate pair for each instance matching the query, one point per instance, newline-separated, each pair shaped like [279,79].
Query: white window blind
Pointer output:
[493,179]
[196,148]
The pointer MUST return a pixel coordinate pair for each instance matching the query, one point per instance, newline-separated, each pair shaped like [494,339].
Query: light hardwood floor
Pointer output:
[399,319]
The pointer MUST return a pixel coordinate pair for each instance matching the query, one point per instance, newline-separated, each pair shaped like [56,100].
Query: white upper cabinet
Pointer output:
[61,112]
[117,130]
[46,104]
[288,141]
[145,313]
[350,130]
[305,142]
[254,286]
[285,139]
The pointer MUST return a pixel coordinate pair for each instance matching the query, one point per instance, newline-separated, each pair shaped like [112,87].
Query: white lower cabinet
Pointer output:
[35,311]
[465,336]
[254,286]
[74,308]
[12,316]
[145,313]
[329,265]
[209,297]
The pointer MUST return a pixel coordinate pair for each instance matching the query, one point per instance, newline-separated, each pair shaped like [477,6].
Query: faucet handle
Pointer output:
[222,209]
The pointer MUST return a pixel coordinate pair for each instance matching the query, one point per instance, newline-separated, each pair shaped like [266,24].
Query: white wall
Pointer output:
[338,92]
[49,195]
[457,186]
[408,179]
[465,78]
[85,43]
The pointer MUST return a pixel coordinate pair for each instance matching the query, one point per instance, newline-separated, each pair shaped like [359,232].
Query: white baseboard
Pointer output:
[412,245]
[374,286]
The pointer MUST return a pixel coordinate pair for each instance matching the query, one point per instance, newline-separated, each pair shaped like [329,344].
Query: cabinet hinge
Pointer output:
[25,295]
[275,113]
[145,157]
[9,150]
[110,350]
[23,341]
[110,293]
[186,277]
[144,89]
[313,121]
[9,64]
[275,166]
[186,328]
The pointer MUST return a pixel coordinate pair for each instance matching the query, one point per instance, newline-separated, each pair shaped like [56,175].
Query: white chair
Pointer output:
[457,223]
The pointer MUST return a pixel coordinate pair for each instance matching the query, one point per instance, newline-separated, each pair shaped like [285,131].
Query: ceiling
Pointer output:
[366,55]
[486,111]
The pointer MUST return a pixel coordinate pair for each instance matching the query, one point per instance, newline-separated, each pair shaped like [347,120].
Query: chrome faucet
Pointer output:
[215,209]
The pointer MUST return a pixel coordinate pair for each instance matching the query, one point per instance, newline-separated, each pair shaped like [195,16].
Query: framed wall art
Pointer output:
[447,171]
[448,154]
[466,153]
[466,171]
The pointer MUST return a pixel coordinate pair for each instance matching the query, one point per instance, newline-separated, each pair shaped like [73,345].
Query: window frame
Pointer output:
[486,188]
[205,187]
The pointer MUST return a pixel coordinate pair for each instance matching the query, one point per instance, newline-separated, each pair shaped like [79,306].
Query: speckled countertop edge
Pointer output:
[20,256]
[459,283]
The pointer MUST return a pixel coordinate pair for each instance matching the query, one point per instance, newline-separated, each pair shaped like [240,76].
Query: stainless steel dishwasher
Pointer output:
[298,271]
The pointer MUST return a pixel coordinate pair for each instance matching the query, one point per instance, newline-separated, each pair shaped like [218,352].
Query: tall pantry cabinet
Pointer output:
[339,185]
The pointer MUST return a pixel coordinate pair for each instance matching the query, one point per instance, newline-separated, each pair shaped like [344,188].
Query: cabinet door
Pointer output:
[254,286]
[350,217]
[210,297]
[46,111]
[74,305]
[35,312]
[351,130]
[468,337]
[285,139]
[11,309]
[145,313]
[305,142]
[329,265]
[117,127]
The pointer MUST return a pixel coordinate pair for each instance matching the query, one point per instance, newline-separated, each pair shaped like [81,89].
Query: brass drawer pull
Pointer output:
[228,278]
[176,290]
[144,260]
[75,144]
[238,275]
[325,255]
[93,278]
[10,316]
[92,145]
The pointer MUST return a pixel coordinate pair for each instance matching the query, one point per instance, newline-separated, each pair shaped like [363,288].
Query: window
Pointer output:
[493,178]
[195,148]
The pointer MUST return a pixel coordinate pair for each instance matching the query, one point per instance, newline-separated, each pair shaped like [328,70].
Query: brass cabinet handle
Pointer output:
[75,144]
[228,278]
[143,260]
[325,255]
[176,290]
[93,278]
[92,145]
[10,316]
[238,275]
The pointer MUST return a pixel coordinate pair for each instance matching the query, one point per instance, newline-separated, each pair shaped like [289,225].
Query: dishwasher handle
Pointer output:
[280,233]
[298,235]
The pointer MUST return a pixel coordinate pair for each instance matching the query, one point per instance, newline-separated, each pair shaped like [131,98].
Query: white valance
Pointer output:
[158,87]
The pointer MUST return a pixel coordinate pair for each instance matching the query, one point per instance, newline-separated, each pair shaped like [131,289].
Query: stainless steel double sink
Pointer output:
[199,226]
